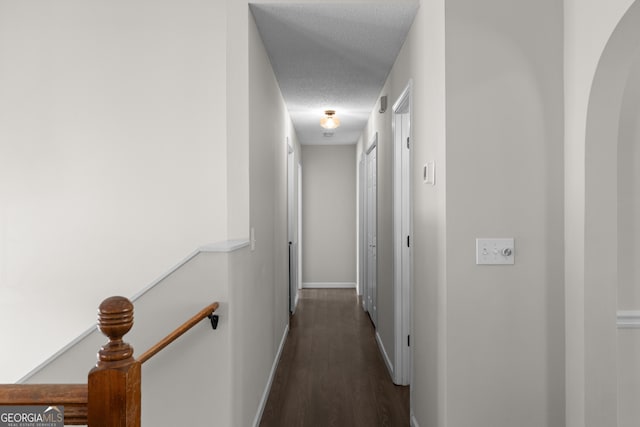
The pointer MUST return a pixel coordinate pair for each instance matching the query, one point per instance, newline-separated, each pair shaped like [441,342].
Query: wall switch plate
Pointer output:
[429,173]
[495,251]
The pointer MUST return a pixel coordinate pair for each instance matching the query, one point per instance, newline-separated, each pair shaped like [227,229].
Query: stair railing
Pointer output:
[112,395]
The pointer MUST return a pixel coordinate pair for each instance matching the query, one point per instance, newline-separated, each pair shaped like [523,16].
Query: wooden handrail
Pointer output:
[205,312]
[111,397]
[72,396]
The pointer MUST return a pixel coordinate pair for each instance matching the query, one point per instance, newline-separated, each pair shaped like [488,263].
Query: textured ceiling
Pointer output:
[332,56]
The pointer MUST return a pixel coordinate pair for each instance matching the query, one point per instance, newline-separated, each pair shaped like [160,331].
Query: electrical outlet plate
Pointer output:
[495,251]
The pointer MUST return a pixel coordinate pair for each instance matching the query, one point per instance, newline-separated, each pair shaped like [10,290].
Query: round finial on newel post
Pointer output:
[114,395]
[115,319]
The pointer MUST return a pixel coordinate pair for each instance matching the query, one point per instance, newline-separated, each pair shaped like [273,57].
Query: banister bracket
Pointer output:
[214,320]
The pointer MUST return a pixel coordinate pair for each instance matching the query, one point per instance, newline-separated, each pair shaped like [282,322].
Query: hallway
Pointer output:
[331,372]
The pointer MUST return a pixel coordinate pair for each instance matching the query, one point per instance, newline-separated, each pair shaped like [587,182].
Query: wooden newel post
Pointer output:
[114,383]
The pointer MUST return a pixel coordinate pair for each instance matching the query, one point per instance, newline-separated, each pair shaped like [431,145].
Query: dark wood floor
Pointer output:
[331,372]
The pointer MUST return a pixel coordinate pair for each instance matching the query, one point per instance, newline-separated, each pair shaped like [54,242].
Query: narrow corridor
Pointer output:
[331,372]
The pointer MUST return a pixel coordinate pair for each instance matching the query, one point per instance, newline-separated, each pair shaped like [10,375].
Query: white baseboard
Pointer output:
[272,374]
[414,421]
[385,356]
[329,285]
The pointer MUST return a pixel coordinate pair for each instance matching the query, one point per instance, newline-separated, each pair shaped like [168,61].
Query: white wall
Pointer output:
[504,179]
[488,341]
[380,124]
[629,194]
[237,129]
[126,123]
[628,358]
[182,376]
[421,60]
[329,209]
[262,312]
[628,373]
[618,77]
[591,382]
[112,157]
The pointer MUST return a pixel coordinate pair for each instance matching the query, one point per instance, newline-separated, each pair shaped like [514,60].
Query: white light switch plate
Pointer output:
[495,251]
[429,173]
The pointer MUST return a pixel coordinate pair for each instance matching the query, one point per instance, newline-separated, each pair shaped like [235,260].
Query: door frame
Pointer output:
[403,233]
[369,297]
[292,228]
[361,230]
[299,240]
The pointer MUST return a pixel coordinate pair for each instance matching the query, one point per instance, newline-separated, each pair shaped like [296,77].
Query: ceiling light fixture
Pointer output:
[329,121]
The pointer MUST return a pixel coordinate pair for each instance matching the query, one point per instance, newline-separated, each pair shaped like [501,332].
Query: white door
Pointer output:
[402,191]
[292,219]
[372,241]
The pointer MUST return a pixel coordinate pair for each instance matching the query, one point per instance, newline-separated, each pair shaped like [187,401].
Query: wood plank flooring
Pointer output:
[331,372]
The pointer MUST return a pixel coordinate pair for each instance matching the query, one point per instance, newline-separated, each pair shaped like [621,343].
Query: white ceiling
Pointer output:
[332,56]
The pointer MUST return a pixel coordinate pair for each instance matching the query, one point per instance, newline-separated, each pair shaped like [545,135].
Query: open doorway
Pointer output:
[610,211]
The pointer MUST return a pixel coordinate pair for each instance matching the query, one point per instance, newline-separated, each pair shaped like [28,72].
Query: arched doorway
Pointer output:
[609,202]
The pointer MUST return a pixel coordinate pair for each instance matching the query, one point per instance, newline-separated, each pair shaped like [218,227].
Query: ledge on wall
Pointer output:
[225,246]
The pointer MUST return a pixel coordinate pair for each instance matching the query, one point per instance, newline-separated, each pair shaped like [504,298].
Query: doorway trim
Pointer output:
[299,241]
[403,233]
[369,297]
[292,217]
[361,230]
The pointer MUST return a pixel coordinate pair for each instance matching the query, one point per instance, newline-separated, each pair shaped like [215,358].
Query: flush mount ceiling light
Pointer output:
[329,121]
